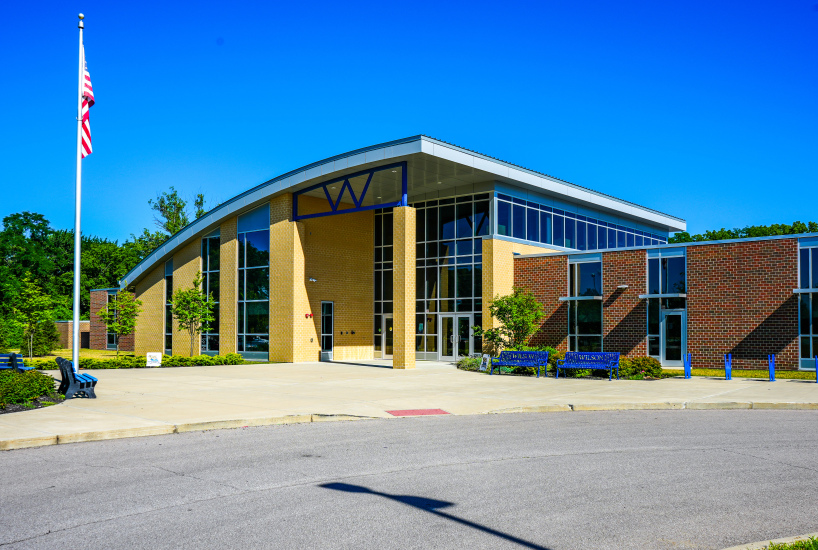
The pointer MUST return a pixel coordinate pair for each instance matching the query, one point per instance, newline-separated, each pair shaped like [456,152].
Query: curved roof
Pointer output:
[439,161]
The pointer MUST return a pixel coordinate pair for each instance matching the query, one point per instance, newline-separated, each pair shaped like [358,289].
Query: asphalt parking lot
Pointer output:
[629,479]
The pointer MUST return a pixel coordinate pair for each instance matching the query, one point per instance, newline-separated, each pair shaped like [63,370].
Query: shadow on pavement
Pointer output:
[433,507]
[375,365]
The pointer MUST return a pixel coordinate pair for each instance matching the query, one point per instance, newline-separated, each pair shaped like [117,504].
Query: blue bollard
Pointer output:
[688,363]
[728,366]
[771,366]
[816,368]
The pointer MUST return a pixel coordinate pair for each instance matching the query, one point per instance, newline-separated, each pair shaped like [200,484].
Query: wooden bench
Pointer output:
[13,361]
[75,384]
[533,359]
[594,360]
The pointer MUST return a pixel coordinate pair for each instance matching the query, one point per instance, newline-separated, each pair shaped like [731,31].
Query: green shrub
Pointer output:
[469,363]
[232,359]
[639,368]
[809,544]
[23,387]
[46,339]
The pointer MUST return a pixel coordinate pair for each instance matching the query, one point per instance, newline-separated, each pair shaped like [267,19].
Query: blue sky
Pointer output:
[704,110]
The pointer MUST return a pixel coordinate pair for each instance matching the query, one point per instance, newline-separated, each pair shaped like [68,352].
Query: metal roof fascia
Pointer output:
[677,245]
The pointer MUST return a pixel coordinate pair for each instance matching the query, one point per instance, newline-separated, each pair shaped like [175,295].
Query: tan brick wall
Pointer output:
[187,261]
[228,273]
[336,251]
[150,325]
[498,270]
[286,272]
[403,282]
[339,254]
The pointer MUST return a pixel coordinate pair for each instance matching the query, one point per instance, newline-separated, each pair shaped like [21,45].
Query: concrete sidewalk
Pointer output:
[134,402]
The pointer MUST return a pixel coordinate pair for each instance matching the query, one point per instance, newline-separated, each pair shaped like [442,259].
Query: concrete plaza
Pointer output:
[136,402]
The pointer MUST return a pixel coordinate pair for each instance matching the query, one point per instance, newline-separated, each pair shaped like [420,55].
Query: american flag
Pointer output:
[87,103]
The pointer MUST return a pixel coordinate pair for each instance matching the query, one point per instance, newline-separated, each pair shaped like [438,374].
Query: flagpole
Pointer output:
[75,352]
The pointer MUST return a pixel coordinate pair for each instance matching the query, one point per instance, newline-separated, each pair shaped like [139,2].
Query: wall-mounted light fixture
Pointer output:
[623,287]
[313,280]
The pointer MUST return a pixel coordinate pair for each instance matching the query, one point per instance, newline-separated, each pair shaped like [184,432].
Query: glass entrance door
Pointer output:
[388,337]
[455,336]
[673,338]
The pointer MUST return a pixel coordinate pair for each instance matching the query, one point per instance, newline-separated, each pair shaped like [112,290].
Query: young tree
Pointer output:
[192,310]
[33,309]
[120,315]
[519,314]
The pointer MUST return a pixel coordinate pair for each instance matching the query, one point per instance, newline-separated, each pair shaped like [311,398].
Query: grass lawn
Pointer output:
[737,373]
[89,353]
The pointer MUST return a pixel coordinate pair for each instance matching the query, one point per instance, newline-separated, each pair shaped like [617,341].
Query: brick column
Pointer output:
[150,325]
[403,281]
[99,332]
[228,286]
[186,263]
[288,293]
[498,275]
[624,315]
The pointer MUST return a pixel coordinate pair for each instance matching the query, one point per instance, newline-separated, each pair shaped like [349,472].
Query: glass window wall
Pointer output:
[585,315]
[666,274]
[449,275]
[168,307]
[254,284]
[535,222]
[808,306]
[210,288]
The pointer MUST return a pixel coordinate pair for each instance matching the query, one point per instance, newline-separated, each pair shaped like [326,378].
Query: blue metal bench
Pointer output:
[594,360]
[75,384]
[13,361]
[533,359]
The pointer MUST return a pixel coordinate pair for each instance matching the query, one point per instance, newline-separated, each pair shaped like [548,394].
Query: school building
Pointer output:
[394,251]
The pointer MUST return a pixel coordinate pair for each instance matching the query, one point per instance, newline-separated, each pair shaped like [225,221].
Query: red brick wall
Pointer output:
[547,278]
[99,333]
[740,301]
[66,331]
[624,315]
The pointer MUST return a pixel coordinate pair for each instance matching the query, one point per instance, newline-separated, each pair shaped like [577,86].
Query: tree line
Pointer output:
[748,231]
[37,268]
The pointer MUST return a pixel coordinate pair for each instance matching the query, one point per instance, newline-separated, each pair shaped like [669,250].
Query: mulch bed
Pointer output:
[36,404]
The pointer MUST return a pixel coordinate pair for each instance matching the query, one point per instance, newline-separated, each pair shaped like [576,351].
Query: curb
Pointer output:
[764,544]
[628,406]
[689,405]
[166,429]
[533,409]
[706,406]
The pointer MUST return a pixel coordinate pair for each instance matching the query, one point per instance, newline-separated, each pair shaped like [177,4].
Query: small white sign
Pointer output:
[484,364]
[154,360]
